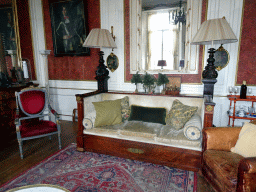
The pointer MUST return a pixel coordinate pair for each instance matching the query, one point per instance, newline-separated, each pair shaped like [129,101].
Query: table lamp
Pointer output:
[213,31]
[100,38]
[161,63]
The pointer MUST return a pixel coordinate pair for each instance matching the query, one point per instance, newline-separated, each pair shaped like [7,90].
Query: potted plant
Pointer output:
[162,80]
[149,82]
[136,78]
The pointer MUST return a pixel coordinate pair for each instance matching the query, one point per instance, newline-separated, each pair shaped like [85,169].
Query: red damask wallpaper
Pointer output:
[246,68]
[76,67]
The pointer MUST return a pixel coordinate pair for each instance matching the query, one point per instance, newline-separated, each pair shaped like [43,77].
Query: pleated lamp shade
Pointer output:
[99,38]
[214,31]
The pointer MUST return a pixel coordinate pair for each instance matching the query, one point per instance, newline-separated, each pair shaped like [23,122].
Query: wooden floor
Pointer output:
[37,150]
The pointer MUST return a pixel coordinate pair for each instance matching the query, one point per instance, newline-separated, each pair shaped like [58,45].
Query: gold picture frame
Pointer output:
[174,82]
[221,57]
[112,62]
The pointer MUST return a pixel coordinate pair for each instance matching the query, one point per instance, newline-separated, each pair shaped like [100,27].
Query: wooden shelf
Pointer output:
[235,98]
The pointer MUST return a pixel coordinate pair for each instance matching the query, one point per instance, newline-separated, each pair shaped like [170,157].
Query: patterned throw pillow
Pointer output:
[193,128]
[179,114]
[125,108]
[87,123]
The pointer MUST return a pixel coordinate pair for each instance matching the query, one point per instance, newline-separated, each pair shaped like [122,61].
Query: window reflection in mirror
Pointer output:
[184,56]
[165,39]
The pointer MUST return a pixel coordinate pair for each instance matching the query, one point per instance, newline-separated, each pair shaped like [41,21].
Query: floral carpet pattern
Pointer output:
[92,172]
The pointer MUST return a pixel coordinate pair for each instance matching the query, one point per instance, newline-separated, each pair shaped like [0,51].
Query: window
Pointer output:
[163,40]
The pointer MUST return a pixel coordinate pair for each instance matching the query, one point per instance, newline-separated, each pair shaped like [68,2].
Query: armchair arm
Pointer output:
[220,138]
[52,110]
[247,174]
[56,115]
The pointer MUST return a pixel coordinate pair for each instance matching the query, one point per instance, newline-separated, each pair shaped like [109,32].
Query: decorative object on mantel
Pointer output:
[149,83]
[172,90]
[173,87]
[99,38]
[162,80]
[136,78]
[221,58]
[213,31]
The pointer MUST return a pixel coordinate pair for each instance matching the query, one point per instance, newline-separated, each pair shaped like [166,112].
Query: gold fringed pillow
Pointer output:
[179,114]
[108,113]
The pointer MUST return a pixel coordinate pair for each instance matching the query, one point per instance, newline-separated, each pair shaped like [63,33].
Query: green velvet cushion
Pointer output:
[108,113]
[147,114]
[179,114]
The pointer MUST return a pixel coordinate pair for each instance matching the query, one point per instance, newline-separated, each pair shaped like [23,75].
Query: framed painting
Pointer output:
[7,27]
[69,27]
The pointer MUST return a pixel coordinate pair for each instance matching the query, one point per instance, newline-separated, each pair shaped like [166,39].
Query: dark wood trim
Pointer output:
[158,154]
[80,110]
[208,112]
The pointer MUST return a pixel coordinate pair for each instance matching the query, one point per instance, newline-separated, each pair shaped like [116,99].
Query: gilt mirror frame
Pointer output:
[11,29]
[194,54]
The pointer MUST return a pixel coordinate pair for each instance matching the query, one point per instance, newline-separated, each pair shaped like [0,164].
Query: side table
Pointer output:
[39,188]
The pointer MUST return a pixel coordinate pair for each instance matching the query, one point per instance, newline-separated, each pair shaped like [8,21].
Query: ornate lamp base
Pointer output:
[102,74]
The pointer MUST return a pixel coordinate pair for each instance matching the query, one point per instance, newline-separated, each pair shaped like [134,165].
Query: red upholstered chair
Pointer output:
[34,116]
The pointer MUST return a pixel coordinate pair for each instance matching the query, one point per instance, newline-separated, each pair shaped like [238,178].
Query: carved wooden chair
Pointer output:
[34,116]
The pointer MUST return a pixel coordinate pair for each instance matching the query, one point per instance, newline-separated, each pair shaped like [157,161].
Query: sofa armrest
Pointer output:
[220,138]
[247,174]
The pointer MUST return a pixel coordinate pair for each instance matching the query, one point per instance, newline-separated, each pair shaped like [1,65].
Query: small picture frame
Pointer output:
[112,62]
[221,57]
[174,82]
[69,27]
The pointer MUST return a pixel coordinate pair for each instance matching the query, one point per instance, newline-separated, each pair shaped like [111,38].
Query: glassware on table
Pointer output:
[251,111]
[242,112]
[230,90]
[236,90]
[230,111]
[249,91]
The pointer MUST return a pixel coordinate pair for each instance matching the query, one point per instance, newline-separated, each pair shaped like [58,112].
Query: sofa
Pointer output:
[229,157]
[160,129]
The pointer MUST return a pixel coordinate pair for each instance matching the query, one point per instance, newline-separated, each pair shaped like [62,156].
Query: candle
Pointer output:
[25,69]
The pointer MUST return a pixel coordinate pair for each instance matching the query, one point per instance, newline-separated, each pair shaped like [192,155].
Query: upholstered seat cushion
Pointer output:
[222,166]
[30,128]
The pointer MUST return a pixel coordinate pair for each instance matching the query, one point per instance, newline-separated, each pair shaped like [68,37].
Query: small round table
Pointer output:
[39,188]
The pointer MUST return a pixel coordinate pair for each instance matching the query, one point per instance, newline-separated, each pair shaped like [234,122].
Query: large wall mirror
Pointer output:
[16,66]
[9,41]
[160,35]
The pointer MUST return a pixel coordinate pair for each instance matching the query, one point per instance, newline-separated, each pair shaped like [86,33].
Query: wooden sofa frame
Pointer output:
[158,154]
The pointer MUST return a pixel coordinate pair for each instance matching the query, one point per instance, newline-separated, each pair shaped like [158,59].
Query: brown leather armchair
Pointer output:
[224,170]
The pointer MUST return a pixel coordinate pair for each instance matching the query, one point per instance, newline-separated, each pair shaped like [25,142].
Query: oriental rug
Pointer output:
[92,172]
